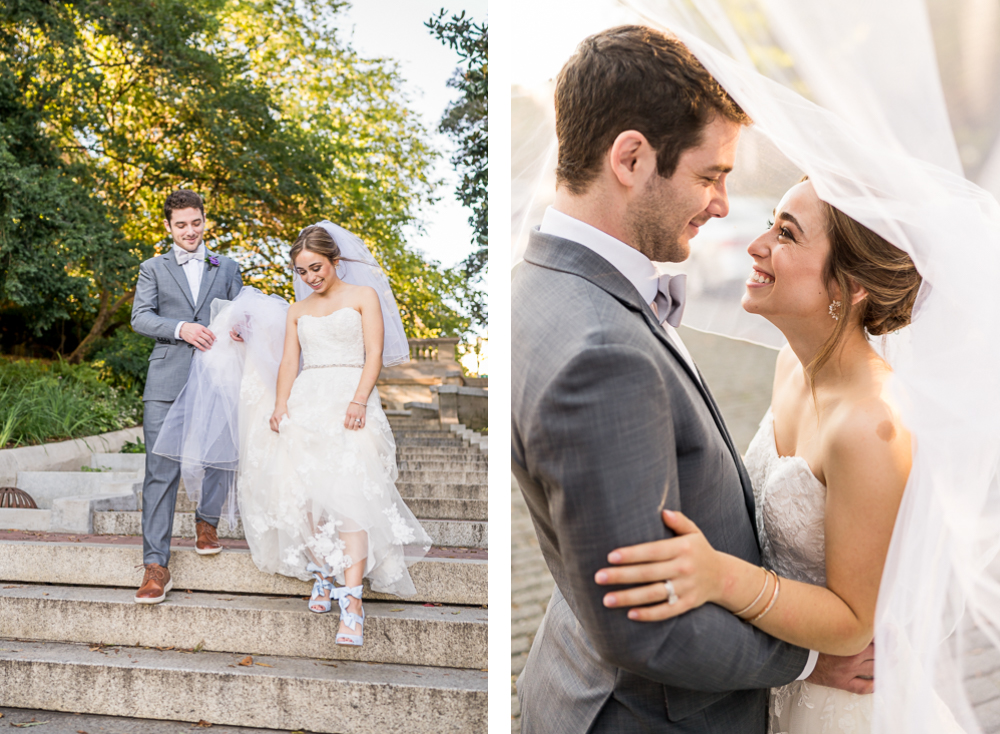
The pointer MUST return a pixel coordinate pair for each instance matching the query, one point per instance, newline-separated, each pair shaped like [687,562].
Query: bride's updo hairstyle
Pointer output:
[316,239]
[860,256]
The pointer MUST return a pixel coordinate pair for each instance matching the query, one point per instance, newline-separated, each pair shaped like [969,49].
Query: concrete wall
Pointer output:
[62,456]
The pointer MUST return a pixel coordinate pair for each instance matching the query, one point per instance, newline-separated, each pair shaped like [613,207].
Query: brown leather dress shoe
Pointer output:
[155,585]
[207,543]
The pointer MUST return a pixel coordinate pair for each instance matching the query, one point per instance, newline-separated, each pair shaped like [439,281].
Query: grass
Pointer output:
[53,401]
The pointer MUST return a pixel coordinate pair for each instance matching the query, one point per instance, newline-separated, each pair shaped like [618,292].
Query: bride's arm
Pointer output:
[288,369]
[374,335]
[866,467]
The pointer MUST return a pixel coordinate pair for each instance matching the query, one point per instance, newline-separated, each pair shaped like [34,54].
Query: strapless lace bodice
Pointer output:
[334,339]
[791,507]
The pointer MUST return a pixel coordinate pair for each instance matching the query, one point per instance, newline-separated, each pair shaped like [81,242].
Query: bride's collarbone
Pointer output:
[322,313]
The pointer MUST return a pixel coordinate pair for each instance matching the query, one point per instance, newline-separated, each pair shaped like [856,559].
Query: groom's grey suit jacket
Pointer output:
[162,300]
[609,427]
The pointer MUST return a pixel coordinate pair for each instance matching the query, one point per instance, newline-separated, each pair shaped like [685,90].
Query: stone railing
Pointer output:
[438,350]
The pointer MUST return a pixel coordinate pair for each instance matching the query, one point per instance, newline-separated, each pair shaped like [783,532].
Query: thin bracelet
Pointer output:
[363,405]
[774,598]
[752,604]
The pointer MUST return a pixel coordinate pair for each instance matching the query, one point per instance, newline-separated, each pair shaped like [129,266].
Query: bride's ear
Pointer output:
[858,294]
[632,159]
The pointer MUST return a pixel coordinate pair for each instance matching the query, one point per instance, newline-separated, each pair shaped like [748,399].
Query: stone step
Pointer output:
[447,453]
[119,462]
[457,490]
[461,533]
[47,486]
[395,632]
[290,694]
[417,472]
[448,508]
[407,441]
[418,433]
[437,580]
[437,506]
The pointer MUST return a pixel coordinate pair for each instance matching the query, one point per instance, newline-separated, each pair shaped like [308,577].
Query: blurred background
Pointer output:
[965,39]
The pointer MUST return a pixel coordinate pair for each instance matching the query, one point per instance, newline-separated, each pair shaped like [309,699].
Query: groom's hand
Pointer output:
[855,674]
[197,335]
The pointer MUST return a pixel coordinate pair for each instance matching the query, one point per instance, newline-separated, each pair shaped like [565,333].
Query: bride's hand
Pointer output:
[355,418]
[688,560]
[234,334]
[276,418]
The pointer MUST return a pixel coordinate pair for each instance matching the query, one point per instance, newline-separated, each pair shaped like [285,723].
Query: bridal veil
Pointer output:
[849,93]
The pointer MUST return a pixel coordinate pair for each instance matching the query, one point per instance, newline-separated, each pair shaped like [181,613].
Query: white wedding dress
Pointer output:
[301,489]
[791,507]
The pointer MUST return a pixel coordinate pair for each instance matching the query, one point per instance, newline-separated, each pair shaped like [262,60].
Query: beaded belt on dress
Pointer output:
[318,366]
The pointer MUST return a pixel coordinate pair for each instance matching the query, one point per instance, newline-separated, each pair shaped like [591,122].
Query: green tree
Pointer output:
[466,121]
[255,104]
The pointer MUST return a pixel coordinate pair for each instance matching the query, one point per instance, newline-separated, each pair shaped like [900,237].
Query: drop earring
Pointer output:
[835,310]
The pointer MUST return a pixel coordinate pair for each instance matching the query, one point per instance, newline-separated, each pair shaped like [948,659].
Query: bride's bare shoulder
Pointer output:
[867,431]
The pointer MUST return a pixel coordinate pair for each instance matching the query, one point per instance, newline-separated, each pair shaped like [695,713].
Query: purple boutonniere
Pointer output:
[212,261]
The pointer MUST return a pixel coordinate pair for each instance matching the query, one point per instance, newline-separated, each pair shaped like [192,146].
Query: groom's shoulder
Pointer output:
[153,261]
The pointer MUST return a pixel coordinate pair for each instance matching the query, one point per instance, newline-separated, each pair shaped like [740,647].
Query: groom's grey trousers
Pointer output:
[162,300]
[609,426]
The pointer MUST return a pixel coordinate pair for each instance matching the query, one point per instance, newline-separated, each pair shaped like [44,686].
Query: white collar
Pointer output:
[627,260]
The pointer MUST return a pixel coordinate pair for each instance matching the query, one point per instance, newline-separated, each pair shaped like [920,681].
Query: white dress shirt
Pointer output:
[641,273]
[193,270]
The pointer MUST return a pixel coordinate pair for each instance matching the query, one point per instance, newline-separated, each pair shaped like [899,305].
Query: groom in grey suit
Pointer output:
[611,421]
[172,304]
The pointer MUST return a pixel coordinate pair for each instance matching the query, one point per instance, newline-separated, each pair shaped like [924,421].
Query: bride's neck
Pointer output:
[807,344]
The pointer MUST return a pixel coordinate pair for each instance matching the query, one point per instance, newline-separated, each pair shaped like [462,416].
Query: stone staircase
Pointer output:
[232,645]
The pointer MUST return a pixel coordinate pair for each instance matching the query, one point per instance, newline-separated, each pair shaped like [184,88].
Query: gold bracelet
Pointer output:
[774,598]
[752,604]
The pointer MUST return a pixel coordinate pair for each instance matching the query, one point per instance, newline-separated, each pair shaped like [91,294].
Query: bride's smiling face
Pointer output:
[316,271]
[787,285]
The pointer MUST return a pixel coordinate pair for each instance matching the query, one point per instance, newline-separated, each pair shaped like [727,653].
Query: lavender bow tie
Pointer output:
[669,299]
[182,255]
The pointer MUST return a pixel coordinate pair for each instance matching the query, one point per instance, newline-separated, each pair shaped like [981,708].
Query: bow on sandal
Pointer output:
[353,621]
[320,587]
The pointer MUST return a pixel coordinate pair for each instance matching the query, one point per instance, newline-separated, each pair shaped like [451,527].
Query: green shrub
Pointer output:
[42,402]
[123,358]
[133,447]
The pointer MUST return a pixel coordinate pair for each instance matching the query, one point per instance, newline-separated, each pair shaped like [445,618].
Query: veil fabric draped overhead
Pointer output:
[849,93]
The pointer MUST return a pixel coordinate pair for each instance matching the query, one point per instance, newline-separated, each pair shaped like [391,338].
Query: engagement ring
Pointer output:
[672,597]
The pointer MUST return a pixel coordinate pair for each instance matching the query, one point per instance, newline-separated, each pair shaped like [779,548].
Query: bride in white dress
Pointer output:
[828,465]
[314,454]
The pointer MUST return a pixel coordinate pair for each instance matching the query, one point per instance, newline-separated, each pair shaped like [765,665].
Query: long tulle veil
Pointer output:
[849,93]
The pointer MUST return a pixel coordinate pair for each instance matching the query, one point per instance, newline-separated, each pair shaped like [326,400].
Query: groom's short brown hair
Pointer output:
[633,78]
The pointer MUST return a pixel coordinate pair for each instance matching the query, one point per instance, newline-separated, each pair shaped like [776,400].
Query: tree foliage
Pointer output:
[106,106]
[466,121]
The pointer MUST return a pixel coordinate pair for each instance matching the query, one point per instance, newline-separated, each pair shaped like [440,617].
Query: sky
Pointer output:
[395,29]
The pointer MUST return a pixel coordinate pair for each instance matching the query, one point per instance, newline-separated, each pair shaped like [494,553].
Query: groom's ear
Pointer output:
[632,159]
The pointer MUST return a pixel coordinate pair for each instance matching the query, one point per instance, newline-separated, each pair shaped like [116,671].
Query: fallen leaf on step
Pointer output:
[246,661]
[201,723]
[456,612]
[396,610]
[264,665]
[223,598]
[428,604]
[188,591]
[29,723]
[164,649]
[329,665]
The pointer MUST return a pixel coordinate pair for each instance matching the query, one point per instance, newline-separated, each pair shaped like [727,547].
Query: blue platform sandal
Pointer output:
[353,621]
[320,586]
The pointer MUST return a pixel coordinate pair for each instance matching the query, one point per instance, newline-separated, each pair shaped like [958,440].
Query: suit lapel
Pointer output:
[177,272]
[207,278]
[571,257]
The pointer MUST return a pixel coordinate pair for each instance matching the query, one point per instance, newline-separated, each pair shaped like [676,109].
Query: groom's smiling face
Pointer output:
[667,213]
